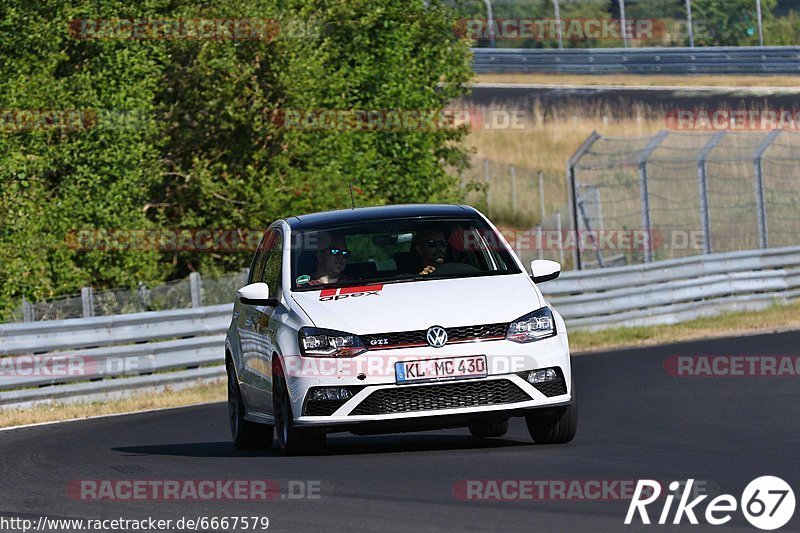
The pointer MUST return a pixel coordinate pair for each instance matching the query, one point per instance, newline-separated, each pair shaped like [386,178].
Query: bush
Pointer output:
[202,149]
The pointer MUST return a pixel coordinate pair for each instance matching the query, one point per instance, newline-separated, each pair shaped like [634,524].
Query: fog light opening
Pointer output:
[542,376]
[331,393]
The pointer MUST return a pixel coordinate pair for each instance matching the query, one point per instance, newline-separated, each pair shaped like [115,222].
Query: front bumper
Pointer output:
[428,404]
[427,422]
[390,405]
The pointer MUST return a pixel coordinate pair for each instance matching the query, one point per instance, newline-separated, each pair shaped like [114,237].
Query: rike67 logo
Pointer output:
[349,292]
[767,503]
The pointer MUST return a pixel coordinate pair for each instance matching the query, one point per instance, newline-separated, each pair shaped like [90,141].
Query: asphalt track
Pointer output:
[620,99]
[636,421]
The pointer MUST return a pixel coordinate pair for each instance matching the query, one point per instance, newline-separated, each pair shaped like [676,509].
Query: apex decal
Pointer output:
[349,292]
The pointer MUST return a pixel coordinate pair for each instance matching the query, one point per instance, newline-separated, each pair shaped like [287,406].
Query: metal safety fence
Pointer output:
[685,193]
[194,291]
[706,60]
[521,202]
[100,357]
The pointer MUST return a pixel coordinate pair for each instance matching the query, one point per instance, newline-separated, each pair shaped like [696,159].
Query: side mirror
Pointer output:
[256,294]
[544,270]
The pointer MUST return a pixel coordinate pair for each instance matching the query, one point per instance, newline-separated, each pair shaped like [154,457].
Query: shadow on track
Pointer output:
[336,446]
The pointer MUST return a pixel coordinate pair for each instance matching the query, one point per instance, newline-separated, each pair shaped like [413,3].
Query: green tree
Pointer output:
[203,150]
[730,22]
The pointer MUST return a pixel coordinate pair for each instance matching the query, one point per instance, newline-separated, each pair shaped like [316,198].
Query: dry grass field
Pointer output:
[545,143]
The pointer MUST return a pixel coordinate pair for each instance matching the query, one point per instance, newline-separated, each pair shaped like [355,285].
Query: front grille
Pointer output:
[404,399]
[552,388]
[418,338]
[322,407]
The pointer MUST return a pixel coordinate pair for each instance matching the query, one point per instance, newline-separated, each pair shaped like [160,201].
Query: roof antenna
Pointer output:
[352,201]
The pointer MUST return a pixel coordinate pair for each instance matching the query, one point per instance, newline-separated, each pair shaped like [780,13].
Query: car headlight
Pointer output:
[316,342]
[533,327]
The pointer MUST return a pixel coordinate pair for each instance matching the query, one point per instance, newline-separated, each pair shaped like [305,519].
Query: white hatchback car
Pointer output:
[391,319]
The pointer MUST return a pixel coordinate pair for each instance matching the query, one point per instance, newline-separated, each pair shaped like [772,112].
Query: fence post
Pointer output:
[557,14]
[486,181]
[761,206]
[539,243]
[579,240]
[195,288]
[144,296]
[28,314]
[541,194]
[513,172]
[702,173]
[571,186]
[622,23]
[561,238]
[87,301]
[645,194]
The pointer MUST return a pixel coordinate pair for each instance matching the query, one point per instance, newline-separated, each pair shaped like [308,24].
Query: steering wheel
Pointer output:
[454,268]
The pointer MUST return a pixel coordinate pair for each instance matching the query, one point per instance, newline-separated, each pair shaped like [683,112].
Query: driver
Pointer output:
[431,245]
[331,259]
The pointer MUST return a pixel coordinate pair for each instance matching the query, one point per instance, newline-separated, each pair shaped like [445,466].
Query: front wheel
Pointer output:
[292,440]
[557,428]
[245,434]
[482,430]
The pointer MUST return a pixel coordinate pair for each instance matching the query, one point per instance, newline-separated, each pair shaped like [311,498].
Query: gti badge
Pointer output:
[437,336]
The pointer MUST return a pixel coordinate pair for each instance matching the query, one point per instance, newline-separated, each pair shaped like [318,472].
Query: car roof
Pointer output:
[366,214]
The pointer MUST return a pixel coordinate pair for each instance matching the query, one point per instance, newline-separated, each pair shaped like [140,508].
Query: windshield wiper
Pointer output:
[357,282]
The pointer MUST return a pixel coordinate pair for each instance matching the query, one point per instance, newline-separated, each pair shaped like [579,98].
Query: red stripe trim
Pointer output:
[365,288]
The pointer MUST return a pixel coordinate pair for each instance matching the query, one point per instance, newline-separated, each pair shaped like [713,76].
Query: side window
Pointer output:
[257,267]
[272,267]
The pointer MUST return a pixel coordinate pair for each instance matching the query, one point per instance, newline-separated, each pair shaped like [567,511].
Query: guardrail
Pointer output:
[706,60]
[668,292]
[111,355]
[96,357]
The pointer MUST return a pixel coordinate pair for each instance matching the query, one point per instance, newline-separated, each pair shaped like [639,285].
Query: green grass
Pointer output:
[729,324]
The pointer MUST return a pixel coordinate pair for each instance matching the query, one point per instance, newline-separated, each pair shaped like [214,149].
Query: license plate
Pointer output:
[440,369]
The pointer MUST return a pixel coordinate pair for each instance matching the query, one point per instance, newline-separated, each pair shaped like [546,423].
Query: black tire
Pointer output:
[482,430]
[558,428]
[291,440]
[246,435]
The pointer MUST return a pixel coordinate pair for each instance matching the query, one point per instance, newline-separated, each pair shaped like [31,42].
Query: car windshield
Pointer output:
[397,251]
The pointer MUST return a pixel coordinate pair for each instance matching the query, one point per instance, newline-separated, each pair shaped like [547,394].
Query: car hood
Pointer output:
[421,304]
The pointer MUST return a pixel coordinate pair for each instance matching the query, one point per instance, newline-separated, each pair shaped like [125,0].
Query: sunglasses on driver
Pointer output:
[339,251]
